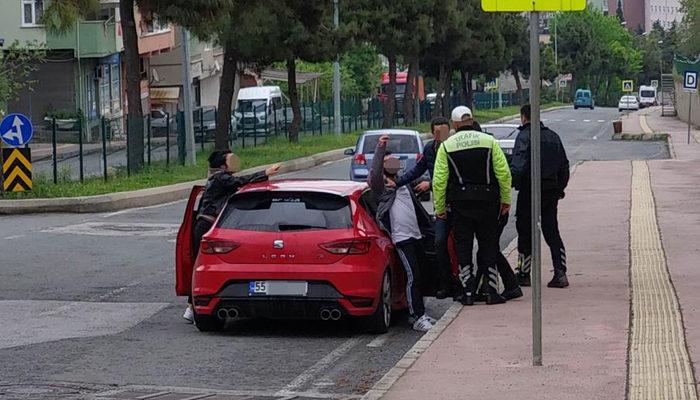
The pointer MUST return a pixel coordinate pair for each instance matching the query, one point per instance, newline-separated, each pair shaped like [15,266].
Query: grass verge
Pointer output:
[159,174]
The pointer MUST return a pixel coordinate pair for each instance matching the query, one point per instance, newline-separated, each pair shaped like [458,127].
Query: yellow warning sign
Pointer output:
[16,169]
[532,5]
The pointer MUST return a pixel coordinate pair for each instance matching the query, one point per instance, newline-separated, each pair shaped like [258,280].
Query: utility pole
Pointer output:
[191,158]
[536,186]
[336,77]
[556,57]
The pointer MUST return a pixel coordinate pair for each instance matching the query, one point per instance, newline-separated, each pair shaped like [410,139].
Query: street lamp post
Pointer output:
[661,73]
[336,77]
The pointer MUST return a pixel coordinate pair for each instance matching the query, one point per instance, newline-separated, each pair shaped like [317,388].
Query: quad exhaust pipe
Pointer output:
[225,313]
[330,314]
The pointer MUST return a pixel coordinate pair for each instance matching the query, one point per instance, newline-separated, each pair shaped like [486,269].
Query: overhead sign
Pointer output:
[655,83]
[628,86]
[16,130]
[17,169]
[690,81]
[532,5]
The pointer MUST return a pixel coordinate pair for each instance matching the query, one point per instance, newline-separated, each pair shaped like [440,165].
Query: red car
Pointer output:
[307,249]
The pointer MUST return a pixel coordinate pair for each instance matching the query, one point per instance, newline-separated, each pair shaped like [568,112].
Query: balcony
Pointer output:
[96,39]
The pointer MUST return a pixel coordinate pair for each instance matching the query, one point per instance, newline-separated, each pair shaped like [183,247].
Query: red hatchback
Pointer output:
[307,249]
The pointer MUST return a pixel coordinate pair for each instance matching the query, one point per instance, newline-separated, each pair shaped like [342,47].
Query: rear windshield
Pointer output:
[405,144]
[501,132]
[286,211]
[648,93]
[583,94]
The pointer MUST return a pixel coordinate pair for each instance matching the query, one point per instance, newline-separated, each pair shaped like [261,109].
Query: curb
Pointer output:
[144,197]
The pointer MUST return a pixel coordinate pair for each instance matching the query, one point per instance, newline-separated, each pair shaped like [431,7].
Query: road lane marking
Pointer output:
[601,120]
[128,210]
[120,229]
[124,391]
[380,340]
[586,120]
[572,120]
[320,366]
[14,237]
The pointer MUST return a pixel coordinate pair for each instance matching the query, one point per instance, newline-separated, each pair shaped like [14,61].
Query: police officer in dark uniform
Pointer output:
[555,178]
[221,184]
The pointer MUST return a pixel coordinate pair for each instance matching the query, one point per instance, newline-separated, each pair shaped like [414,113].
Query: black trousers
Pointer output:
[480,220]
[411,252]
[550,231]
[510,282]
[201,226]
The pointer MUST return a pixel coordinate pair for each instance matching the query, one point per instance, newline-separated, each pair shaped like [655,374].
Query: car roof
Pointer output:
[339,187]
[258,92]
[390,132]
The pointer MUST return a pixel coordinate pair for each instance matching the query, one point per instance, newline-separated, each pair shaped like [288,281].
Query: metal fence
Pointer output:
[75,149]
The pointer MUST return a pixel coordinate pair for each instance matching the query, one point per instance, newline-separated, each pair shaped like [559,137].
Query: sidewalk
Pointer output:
[631,232]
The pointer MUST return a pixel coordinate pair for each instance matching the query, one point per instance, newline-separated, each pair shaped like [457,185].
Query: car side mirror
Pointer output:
[349,152]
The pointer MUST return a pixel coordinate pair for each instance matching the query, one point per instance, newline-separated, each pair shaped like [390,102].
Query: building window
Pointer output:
[116,92]
[91,111]
[153,25]
[105,82]
[32,11]
[197,89]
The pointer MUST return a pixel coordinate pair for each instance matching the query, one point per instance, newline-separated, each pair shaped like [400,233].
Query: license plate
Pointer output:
[278,288]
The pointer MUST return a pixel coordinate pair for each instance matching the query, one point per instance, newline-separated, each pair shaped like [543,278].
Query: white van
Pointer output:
[647,96]
[258,109]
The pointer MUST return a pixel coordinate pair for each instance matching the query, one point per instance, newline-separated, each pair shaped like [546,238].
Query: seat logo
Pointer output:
[278,244]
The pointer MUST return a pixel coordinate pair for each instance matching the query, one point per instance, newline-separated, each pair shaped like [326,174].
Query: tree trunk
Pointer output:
[390,102]
[518,85]
[447,92]
[464,86]
[438,110]
[133,86]
[411,93]
[226,92]
[469,100]
[294,99]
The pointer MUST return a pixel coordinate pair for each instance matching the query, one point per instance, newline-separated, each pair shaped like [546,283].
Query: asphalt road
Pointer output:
[88,306]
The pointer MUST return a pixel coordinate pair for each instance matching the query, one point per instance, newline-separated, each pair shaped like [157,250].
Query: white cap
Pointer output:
[460,112]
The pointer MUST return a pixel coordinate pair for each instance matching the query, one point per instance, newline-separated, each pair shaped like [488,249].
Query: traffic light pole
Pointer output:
[536,186]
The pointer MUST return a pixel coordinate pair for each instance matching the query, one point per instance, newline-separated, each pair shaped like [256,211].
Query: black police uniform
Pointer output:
[555,178]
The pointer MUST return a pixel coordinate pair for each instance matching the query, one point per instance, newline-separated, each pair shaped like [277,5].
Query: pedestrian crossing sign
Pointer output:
[532,5]
[628,86]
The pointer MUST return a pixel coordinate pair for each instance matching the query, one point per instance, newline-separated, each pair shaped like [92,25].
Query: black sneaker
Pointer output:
[444,291]
[512,293]
[523,279]
[559,281]
[480,297]
[467,300]
[495,298]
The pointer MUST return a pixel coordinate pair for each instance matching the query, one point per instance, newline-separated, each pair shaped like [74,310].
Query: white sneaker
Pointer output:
[423,324]
[431,319]
[189,315]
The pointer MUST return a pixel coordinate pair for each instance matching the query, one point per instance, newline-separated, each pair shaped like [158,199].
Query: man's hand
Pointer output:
[505,208]
[422,187]
[390,183]
[273,170]
[442,215]
[383,140]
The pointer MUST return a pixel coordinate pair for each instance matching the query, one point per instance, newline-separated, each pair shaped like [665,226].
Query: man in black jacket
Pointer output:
[555,178]
[221,184]
[440,128]
[403,218]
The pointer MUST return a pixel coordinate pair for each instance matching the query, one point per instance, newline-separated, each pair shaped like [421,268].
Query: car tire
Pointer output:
[575,107]
[592,107]
[380,320]
[208,323]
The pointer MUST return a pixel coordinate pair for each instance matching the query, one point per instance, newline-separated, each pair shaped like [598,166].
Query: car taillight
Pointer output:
[218,246]
[419,156]
[360,159]
[347,247]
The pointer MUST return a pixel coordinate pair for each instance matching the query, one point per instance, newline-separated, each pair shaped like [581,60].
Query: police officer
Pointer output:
[221,184]
[472,175]
[555,177]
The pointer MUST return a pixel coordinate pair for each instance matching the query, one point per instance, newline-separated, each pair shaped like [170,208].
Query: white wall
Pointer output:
[682,99]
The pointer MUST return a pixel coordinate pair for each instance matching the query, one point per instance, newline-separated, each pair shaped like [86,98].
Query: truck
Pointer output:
[401,80]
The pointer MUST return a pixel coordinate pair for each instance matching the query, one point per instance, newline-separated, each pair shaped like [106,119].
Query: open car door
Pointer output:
[184,257]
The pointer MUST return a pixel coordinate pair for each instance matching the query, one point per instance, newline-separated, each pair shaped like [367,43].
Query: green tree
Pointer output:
[690,30]
[518,49]
[17,62]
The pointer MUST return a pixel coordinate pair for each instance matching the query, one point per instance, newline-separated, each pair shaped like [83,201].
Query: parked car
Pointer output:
[258,109]
[628,102]
[505,134]
[294,249]
[406,145]
[584,98]
[162,121]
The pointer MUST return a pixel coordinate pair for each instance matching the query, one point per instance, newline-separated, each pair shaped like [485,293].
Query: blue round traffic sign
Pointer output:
[16,130]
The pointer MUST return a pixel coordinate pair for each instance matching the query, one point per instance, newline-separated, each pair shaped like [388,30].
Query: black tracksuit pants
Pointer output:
[550,231]
[510,282]
[480,220]
[411,252]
